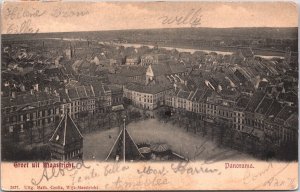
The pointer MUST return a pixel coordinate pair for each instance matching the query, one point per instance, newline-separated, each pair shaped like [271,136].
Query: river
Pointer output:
[136,45]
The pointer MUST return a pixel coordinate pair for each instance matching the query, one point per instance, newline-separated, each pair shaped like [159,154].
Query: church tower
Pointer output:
[66,142]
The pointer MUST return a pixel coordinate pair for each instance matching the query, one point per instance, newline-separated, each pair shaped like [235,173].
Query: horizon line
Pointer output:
[174,28]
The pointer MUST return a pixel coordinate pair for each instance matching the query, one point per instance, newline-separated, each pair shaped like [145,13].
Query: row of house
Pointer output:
[147,97]
[38,111]
[259,115]
[29,110]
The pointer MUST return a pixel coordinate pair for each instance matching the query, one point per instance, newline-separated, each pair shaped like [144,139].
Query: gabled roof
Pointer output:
[73,94]
[124,148]
[240,76]
[132,71]
[183,94]
[293,121]
[177,68]
[242,102]
[199,94]
[286,112]
[254,101]
[66,132]
[263,107]
[160,69]
[150,88]
[27,98]
[274,109]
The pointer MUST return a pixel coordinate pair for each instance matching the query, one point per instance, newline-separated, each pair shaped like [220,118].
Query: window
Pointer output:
[11,129]
[22,127]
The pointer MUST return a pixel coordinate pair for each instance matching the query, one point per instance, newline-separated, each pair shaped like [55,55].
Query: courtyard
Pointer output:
[193,147]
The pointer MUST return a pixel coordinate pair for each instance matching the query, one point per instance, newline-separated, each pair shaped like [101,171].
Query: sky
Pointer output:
[31,17]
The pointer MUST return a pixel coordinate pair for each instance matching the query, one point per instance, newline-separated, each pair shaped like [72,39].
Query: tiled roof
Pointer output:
[240,76]
[183,94]
[293,121]
[274,109]
[81,92]
[177,68]
[27,98]
[263,84]
[254,101]
[286,112]
[160,69]
[152,89]
[89,91]
[199,94]
[289,97]
[263,107]
[132,71]
[100,91]
[115,88]
[207,94]
[242,102]
[73,94]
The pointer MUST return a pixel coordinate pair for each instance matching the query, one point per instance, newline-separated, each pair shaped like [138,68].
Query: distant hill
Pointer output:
[226,39]
[168,34]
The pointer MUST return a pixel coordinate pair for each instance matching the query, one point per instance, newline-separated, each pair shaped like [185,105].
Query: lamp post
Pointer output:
[28,125]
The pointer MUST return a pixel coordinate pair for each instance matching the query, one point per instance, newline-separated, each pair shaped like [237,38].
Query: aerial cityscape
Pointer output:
[183,94]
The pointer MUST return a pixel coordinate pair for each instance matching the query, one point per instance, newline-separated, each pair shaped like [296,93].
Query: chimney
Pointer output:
[67,91]
[31,91]
[47,89]
[36,87]
[13,95]
[56,93]
[22,88]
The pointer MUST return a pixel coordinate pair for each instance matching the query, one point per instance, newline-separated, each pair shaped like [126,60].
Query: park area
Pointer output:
[191,146]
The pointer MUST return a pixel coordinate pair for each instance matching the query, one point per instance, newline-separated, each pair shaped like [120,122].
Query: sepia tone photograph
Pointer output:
[149,83]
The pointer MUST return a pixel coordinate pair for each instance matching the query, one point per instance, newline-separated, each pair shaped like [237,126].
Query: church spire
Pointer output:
[66,142]
[124,148]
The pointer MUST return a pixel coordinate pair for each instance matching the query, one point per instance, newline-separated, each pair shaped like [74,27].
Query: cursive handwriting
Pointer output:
[274,182]
[78,178]
[24,27]
[148,170]
[114,168]
[248,177]
[14,13]
[139,183]
[48,174]
[22,20]
[192,18]
[184,168]
[269,181]
[59,12]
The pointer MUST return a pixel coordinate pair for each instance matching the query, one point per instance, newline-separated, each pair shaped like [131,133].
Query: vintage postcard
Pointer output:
[116,96]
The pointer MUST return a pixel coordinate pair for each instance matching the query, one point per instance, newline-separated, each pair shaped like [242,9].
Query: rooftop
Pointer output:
[151,88]
[66,132]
